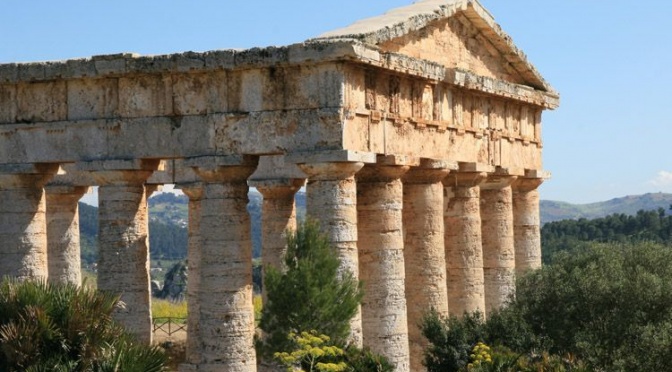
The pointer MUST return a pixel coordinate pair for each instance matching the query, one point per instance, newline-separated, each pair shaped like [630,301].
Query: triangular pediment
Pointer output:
[459,34]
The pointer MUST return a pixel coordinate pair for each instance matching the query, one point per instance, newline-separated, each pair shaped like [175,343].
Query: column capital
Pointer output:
[279,187]
[464,179]
[330,156]
[119,172]
[526,184]
[193,190]
[429,171]
[216,169]
[77,191]
[381,173]
[26,175]
[497,181]
[331,171]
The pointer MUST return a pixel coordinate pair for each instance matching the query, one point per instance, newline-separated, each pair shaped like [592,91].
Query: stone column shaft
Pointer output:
[23,228]
[331,199]
[526,224]
[381,262]
[499,261]
[464,254]
[224,339]
[424,254]
[195,193]
[63,255]
[278,217]
[123,258]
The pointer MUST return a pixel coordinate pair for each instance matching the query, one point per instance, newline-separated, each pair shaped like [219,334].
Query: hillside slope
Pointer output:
[556,210]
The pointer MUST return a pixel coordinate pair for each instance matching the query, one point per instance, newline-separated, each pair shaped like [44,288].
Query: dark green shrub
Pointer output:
[46,327]
[310,295]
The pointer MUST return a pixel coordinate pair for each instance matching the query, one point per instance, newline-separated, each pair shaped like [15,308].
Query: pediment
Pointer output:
[459,34]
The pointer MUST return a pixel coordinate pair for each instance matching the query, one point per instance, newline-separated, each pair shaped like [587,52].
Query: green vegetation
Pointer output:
[45,327]
[654,226]
[311,295]
[313,353]
[606,308]
[168,309]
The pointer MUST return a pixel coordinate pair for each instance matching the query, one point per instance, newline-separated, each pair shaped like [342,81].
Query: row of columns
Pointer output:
[418,236]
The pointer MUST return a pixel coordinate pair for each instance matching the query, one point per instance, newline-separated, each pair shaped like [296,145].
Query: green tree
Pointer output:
[47,327]
[608,306]
[310,294]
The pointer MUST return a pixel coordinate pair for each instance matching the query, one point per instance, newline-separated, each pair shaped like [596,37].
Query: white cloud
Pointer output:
[663,179]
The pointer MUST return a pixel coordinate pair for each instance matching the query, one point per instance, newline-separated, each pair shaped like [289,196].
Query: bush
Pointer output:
[46,327]
[311,295]
[608,307]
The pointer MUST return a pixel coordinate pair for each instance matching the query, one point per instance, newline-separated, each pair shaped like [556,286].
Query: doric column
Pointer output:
[194,191]
[23,228]
[381,260]
[63,251]
[278,216]
[499,261]
[464,254]
[527,236]
[331,199]
[424,254]
[224,339]
[123,257]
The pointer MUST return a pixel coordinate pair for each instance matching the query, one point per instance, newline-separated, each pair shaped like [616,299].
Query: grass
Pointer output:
[168,309]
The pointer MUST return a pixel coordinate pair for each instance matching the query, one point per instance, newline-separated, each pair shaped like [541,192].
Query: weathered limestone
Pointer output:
[123,258]
[224,338]
[499,258]
[433,80]
[278,217]
[464,255]
[23,230]
[194,191]
[63,251]
[526,224]
[424,254]
[331,199]
[381,260]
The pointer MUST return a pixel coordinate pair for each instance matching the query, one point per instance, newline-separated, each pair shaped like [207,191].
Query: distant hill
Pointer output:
[169,218]
[555,210]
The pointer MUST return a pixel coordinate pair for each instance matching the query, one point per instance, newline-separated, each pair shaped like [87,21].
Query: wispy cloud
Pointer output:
[663,179]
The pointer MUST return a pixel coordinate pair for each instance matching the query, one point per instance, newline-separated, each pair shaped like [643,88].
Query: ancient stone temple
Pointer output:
[416,133]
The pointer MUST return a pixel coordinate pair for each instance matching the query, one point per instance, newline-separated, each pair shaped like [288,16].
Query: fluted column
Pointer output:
[499,261]
[464,254]
[195,193]
[23,227]
[331,199]
[224,339]
[63,250]
[526,230]
[381,262]
[424,255]
[123,258]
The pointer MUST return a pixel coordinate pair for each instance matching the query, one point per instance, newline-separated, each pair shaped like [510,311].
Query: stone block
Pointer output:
[31,71]
[220,59]
[78,68]
[188,61]
[145,95]
[9,73]
[91,99]
[252,85]
[39,102]
[7,103]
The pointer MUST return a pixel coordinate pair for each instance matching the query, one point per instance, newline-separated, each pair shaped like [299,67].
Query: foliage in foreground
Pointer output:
[609,306]
[309,295]
[315,352]
[46,327]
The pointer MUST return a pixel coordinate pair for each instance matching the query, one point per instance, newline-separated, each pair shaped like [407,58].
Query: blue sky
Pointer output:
[610,61]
